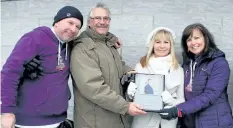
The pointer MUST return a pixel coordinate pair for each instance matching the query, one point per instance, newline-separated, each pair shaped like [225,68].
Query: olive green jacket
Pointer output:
[96,69]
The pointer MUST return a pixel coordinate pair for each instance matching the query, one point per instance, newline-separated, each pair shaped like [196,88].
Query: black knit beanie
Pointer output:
[68,12]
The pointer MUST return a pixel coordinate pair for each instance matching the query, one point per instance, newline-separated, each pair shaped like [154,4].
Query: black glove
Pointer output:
[66,124]
[169,113]
[33,69]
[126,79]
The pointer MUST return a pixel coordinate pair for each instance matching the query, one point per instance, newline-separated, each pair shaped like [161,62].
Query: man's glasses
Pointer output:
[99,18]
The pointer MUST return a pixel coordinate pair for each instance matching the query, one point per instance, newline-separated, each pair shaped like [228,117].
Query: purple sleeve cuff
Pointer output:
[5,109]
[181,107]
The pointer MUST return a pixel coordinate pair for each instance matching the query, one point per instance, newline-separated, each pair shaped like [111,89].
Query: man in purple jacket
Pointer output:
[42,102]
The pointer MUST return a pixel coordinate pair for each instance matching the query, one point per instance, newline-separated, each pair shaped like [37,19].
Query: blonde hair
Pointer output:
[161,34]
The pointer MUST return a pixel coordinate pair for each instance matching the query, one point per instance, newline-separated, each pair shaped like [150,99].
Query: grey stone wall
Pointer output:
[132,21]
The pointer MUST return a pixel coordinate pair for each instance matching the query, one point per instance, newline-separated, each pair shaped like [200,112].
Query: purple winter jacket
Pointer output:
[208,99]
[36,102]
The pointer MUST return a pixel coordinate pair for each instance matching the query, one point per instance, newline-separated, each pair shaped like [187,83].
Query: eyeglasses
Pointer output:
[99,18]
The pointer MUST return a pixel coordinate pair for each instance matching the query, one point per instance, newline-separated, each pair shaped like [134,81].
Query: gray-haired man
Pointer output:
[96,69]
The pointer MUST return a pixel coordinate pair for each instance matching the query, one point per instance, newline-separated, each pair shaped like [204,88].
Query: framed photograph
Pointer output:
[150,88]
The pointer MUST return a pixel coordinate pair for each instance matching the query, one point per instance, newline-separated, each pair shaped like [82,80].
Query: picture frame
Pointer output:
[149,91]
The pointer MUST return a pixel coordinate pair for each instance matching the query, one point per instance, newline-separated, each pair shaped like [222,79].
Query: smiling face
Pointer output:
[162,44]
[162,48]
[67,29]
[196,42]
[99,20]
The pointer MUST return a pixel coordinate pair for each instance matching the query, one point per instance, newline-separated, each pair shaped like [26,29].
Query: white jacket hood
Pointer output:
[149,38]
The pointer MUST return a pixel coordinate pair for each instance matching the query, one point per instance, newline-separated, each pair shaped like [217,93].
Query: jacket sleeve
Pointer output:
[126,68]
[114,39]
[12,71]
[216,85]
[93,86]
[138,68]
[180,92]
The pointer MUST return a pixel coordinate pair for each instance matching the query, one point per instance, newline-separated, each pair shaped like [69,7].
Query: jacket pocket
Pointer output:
[225,120]
[55,101]
[208,120]
[88,117]
[224,114]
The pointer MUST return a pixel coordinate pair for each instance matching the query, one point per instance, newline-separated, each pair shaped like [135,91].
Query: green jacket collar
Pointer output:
[109,38]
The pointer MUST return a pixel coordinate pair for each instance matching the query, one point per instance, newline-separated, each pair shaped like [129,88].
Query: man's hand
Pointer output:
[170,113]
[118,44]
[7,120]
[33,69]
[135,109]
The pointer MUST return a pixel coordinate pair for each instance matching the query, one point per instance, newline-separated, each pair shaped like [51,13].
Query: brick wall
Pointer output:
[132,21]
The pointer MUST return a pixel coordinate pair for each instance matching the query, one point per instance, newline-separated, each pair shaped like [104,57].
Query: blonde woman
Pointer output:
[160,59]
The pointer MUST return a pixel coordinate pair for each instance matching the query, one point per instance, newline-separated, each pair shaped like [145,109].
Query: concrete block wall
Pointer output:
[132,21]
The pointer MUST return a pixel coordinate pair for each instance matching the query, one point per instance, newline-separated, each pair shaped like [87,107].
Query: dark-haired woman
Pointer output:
[207,75]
